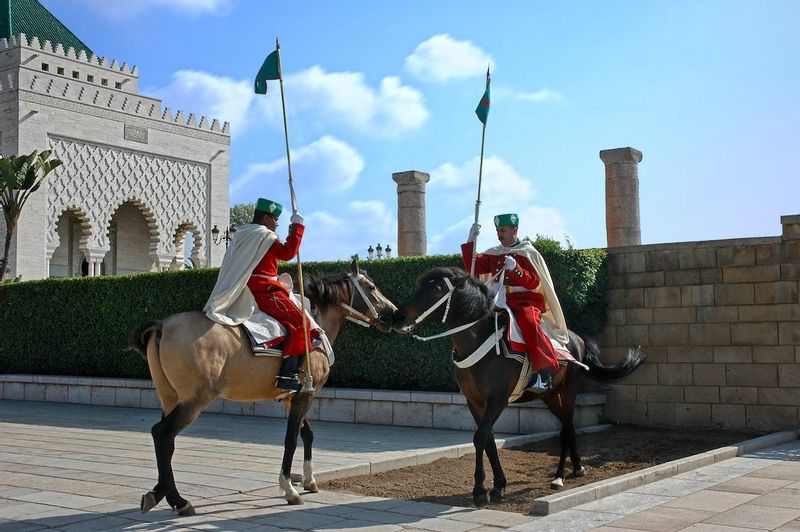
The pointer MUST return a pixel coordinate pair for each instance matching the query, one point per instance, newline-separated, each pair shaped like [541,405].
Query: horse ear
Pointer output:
[354,266]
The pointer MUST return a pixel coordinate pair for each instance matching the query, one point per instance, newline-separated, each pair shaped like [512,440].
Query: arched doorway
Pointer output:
[187,241]
[130,237]
[73,230]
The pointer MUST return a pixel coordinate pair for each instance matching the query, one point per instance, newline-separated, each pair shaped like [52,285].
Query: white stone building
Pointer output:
[136,178]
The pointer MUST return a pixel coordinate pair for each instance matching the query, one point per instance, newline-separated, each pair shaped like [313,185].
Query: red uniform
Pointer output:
[526,305]
[273,299]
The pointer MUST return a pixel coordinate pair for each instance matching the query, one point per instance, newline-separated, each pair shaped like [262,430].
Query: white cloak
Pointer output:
[231,302]
[552,317]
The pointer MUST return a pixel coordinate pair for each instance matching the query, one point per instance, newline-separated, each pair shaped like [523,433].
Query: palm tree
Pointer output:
[20,176]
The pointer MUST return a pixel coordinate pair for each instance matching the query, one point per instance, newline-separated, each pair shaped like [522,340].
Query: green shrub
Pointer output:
[80,326]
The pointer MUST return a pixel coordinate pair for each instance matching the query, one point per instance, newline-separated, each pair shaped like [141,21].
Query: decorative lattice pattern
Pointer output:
[98,179]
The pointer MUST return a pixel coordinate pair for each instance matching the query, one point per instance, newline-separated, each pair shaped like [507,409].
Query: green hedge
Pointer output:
[80,326]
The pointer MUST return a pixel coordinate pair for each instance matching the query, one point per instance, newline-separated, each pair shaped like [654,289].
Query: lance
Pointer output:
[308,380]
[483,113]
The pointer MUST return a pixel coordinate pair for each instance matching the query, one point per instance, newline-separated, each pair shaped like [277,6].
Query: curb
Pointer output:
[551,504]
[450,451]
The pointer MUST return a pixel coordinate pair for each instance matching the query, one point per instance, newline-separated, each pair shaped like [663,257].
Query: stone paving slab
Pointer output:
[75,467]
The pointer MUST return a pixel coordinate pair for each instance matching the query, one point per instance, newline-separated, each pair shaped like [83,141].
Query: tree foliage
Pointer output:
[242,214]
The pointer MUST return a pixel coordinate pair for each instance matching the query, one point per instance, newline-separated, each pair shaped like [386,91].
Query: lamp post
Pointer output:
[227,236]
[379,252]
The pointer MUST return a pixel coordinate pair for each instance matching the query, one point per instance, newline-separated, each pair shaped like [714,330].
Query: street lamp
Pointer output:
[370,252]
[227,236]
[379,252]
[379,249]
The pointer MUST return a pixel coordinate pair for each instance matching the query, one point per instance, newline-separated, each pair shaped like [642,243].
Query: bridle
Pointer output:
[354,315]
[447,298]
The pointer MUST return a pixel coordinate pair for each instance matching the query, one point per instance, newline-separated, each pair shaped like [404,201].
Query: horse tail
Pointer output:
[600,373]
[141,335]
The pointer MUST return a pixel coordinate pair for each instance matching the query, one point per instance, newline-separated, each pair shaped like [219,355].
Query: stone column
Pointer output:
[411,239]
[95,256]
[622,196]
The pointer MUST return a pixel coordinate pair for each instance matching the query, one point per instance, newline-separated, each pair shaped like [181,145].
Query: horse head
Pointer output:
[437,290]
[368,301]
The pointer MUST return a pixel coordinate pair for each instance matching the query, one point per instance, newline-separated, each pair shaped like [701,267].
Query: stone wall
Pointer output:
[720,323]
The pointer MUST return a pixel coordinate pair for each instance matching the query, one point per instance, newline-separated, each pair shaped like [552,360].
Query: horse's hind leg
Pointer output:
[301,402]
[562,406]
[164,433]
[499,478]
[309,484]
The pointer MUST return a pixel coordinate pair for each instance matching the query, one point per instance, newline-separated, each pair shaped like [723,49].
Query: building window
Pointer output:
[76,74]
[104,82]
[90,78]
[60,71]
[117,85]
[45,67]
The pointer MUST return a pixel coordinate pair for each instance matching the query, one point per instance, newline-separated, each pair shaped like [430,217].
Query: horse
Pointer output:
[193,360]
[489,383]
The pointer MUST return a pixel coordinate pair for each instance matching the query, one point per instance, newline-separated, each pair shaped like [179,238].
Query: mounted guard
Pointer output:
[248,282]
[537,326]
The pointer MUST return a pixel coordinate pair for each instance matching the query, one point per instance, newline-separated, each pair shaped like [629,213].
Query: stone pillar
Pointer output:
[411,239]
[622,196]
[94,257]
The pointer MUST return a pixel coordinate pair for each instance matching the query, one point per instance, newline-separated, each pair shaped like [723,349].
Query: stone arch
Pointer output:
[183,229]
[132,236]
[69,242]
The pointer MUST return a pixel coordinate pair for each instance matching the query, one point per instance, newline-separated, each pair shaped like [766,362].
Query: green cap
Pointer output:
[270,207]
[506,219]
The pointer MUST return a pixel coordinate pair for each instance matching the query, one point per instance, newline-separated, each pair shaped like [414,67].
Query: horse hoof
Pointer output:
[187,510]
[311,487]
[148,502]
[579,472]
[496,495]
[557,483]
[294,500]
[481,500]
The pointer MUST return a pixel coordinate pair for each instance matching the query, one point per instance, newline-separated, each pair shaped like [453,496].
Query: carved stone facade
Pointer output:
[136,180]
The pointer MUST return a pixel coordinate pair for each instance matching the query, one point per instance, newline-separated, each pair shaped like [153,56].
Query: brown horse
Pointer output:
[194,360]
[488,384]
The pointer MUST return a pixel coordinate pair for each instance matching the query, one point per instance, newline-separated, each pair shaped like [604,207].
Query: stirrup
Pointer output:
[288,384]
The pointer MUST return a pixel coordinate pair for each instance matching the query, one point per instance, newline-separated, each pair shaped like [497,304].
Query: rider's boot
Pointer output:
[287,379]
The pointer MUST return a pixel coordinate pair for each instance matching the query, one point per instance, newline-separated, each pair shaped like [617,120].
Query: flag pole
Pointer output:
[480,179]
[308,380]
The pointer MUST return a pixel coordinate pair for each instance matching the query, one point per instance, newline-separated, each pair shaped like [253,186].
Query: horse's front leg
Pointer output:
[499,478]
[309,483]
[494,408]
[301,402]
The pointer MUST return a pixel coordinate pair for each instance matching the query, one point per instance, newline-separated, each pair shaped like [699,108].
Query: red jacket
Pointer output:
[523,275]
[262,278]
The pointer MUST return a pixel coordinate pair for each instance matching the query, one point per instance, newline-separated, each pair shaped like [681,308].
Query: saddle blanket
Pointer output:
[266,333]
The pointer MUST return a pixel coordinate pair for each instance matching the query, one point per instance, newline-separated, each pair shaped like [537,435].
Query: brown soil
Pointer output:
[529,469]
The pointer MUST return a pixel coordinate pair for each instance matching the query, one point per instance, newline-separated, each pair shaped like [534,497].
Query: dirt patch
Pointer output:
[528,469]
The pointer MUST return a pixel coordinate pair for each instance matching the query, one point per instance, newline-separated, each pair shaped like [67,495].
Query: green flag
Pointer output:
[271,69]
[483,107]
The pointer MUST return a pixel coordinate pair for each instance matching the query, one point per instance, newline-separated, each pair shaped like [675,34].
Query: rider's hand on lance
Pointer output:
[510,263]
[296,218]
[474,231]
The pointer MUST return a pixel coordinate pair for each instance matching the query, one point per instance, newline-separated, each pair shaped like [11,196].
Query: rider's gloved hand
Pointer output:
[510,263]
[474,231]
[296,218]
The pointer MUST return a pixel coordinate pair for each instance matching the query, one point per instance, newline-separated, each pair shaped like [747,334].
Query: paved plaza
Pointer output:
[77,467]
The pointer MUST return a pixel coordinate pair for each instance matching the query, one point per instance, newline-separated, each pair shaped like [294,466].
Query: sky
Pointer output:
[706,90]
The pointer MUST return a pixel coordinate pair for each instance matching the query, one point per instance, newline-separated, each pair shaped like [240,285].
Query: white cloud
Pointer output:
[324,166]
[540,96]
[352,229]
[503,190]
[442,58]
[202,93]
[387,111]
[127,8]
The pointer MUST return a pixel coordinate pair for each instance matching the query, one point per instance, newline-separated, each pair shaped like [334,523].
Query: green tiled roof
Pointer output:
[33,19]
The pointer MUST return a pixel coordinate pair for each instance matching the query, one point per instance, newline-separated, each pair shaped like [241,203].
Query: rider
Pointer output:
[248,277]
[529,292]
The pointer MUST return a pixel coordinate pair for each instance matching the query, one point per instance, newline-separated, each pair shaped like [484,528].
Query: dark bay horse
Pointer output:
[489,383]
[194,360]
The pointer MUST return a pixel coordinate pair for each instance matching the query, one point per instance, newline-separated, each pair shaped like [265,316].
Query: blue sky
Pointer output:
[707,90]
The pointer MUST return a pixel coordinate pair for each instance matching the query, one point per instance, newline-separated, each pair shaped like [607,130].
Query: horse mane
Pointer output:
[328,290]
[471,295]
